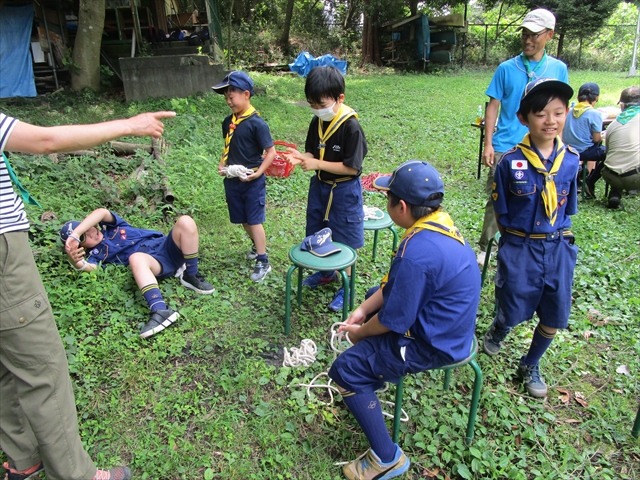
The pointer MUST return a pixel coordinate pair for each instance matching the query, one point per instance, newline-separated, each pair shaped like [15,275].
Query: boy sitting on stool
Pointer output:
[150,255]
[422,317]
[534,192]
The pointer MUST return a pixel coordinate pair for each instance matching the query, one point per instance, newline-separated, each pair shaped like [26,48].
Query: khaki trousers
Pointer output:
[489,226]
[38,419]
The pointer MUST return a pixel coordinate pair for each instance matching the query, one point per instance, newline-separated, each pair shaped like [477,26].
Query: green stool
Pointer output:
[475,397]
[337,261]
[636,425]
[380,224]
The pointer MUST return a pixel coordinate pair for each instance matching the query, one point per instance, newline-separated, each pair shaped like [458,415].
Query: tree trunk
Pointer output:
[86,51]
[284,39]
[370,50]
[560,44]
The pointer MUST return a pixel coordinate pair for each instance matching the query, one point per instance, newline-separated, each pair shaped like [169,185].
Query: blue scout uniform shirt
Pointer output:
[507,85]
[431,298]
[120,241]
[250,139]
[517,191]
[577,131]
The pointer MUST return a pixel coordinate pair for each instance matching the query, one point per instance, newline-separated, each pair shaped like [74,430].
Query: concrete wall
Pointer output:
[169,76]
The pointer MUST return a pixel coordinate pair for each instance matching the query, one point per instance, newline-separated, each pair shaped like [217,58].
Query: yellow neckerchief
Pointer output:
[344,113]
[580,108]
[549,193]
[235,121]
[437,221]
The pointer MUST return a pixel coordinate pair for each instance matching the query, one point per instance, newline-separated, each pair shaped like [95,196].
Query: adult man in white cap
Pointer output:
[505,91]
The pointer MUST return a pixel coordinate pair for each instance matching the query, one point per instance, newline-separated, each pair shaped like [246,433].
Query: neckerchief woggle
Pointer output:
[549,192]
[235,121]
[439,222]
[26,196]
[580,108]
[525,61]
[628,114]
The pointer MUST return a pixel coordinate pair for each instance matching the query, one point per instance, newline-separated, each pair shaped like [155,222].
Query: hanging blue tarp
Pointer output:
[16,68]
[305,62]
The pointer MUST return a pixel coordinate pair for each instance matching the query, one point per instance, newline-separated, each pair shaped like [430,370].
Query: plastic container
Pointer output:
[479,115]
[280,167]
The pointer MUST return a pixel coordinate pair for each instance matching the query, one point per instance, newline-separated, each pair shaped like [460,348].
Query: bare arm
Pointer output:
[266,162]
[74,251]
[370,305]
[65,138]
[596,137]
[371,328]
[491,116]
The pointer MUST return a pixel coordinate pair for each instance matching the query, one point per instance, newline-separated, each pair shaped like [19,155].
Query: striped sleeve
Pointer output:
[12,215]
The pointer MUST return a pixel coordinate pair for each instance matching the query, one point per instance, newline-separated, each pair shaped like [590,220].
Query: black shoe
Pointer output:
[158,321]
[197,283]
[614,200]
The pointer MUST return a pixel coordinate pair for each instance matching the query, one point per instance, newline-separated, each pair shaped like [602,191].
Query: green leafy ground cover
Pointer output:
[208,398]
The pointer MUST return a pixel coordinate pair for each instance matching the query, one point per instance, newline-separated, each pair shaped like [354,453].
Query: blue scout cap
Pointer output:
[589,88]
[545,83]
[413,181]
[236,79]
[67,229]
[320,244]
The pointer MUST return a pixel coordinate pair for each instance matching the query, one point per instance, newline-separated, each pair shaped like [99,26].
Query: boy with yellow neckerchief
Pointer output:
[246,137]
[422,317]
[335,149]
[534,193]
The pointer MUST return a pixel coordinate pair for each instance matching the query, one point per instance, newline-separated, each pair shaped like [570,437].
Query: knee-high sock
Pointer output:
[540,343]
[365,407]
[153,296]
[191,261]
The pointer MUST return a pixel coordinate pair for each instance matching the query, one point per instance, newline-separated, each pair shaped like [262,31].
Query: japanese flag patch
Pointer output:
[519,165]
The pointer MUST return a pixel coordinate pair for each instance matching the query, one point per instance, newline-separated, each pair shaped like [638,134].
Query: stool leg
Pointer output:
[287,301]
[299,286]
[346,284]
[475,400]
[447,379]
[352,288]
[636,425]
[375,244]
[397,414]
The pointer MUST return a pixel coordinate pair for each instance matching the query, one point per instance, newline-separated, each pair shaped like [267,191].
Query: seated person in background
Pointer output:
[583,131]
[422,317]
[622,165]
[109,239]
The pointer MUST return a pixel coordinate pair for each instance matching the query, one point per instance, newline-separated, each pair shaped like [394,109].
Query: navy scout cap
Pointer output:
[413,181]
[320,243]
[236,79]
[67,229]
[548,84]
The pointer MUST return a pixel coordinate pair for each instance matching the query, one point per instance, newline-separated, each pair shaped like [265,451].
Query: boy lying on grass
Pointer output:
[150,254]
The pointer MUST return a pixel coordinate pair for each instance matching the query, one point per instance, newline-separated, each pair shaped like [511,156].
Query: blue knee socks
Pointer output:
[540,343]
[153,296]
[365,407]
[191,262]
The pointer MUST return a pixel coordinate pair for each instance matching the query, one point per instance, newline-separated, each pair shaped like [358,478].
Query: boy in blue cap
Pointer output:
[246,194]
[534,193]
[335,149]
[421,317]
[583,131]
[150,255]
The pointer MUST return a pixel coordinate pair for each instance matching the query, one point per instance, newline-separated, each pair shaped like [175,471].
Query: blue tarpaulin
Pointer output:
[305,62]
[16,68]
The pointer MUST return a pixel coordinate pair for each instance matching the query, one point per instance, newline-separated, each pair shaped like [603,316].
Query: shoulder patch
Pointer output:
[572,150]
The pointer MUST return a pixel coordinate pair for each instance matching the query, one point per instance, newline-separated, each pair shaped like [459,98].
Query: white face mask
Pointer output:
[325,114]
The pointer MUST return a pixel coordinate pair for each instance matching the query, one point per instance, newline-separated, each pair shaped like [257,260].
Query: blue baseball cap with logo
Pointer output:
[320,244]
[414,181]
[235,79]
[67,229]
[548,84]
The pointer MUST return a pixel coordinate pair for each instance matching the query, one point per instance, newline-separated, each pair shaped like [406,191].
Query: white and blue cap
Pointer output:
[548,84]
[320,244]
[414,181]
[67,229]
[235,79]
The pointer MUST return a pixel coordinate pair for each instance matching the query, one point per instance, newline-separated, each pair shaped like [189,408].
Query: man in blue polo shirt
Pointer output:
[505,91]
[422,317]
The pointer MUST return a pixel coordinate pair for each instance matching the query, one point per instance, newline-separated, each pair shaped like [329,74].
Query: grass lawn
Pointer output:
[207,398]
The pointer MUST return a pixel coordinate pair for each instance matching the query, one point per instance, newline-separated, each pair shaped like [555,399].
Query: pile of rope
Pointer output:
[232,171]
[373,213]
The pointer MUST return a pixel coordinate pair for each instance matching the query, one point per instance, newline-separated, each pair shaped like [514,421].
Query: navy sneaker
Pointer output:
[533,381]
[197,283]
[338,301]
[158,321]
[320,278]
[493,341]
[13,474]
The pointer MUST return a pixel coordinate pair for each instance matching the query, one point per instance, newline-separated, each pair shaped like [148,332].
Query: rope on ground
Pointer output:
[373,213]
[232,171]
[304,355]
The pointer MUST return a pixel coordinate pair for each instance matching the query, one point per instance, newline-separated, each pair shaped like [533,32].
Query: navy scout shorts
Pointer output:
[166,252]
[246,200]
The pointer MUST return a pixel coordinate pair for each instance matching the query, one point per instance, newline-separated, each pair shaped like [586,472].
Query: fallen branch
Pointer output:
[118,148]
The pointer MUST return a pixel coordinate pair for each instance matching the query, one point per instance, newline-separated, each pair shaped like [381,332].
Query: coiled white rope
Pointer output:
[240,171]
[304,355]
[373,213]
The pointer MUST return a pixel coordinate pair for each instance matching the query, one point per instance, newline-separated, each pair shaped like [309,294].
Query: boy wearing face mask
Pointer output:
[334,150]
